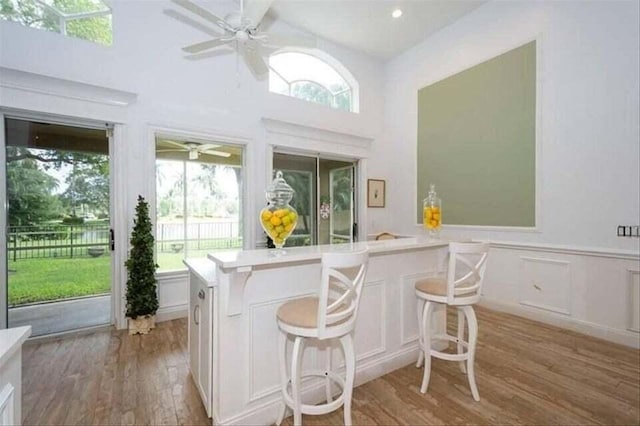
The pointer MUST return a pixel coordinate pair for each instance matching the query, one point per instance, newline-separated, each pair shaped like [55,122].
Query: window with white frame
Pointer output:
[198,199]
[85,19]
[307,77]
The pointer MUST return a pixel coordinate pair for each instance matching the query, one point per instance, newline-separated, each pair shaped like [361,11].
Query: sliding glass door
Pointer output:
[324,198]
[57,238]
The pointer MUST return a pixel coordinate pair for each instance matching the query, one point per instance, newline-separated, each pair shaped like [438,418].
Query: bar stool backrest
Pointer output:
[343,277]
[467,265]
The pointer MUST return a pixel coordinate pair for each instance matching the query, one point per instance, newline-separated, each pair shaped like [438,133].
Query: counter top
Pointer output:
[10,341]
[203,268]
[249,258]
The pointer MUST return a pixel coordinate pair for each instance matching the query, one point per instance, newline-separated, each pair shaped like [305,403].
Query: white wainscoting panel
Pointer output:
[370,334]
[263,351]
[173,298]
[591,291]
[634,300]
[546,284]
[408,307]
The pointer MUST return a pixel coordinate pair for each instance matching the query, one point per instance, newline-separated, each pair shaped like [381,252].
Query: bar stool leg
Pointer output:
[296,385]
[461,336]
[327,382]
[419,312]
[473,338]
[426,338]
[350,363]
[284,377]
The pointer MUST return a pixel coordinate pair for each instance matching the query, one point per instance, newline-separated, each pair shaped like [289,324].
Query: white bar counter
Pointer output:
[237,309]
[11,341]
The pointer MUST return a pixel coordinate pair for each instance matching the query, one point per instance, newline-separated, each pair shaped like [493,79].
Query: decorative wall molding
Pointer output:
[381,316]
[545,284]
[633,306]
[173,295]
[408,306]
[255,393]
[296,136]
[562,249]
[42,84]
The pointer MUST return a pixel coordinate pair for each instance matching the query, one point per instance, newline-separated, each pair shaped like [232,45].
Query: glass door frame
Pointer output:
[353,221]
[4,275]
[113,132]
[358,167]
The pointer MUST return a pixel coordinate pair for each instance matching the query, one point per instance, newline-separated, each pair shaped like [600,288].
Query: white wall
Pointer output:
[589,128]
[574,271]
[589,114]
[213,95]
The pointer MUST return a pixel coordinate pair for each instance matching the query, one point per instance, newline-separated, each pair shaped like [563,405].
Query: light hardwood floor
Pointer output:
[527,373]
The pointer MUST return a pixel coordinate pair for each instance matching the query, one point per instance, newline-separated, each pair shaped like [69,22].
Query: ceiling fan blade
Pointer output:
[209,54]
[191,22]
[207,146]
[177,144]
[282,40]
[254,10]
[255,62]
[206,45]
[203,13]
[216,153]
[170,150]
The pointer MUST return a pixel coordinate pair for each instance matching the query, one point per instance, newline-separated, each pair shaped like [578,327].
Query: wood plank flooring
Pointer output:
[527,373]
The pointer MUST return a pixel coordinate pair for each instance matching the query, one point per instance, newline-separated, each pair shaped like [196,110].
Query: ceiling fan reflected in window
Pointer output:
[194,149]
[239,30]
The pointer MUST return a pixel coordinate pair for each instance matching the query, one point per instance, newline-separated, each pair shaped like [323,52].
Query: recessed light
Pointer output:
[396,13]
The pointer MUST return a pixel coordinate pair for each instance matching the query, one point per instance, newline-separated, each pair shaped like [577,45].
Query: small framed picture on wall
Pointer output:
[375,193]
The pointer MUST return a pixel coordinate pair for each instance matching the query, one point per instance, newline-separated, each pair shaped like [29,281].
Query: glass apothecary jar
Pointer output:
[279,219]
[432,213]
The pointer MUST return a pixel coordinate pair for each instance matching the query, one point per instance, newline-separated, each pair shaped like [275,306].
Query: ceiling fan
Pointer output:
[194,149]
[239,30]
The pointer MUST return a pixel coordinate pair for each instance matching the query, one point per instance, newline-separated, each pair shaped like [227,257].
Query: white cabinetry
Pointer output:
[202,302]
[11,341]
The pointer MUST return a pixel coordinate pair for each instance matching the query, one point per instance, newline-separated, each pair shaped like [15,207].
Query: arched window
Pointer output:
[306,76]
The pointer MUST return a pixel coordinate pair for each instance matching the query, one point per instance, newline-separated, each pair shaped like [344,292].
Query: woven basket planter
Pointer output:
[142,324]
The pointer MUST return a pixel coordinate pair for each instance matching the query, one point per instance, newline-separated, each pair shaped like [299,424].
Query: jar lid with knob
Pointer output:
[279,191]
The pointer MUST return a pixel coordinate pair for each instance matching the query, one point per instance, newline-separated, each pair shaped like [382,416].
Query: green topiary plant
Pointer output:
[142,297]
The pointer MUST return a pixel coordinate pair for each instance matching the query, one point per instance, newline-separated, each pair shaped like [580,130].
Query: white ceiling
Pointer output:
[367,25]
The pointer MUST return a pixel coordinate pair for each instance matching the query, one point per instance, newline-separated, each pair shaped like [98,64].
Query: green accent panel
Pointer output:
[476,142]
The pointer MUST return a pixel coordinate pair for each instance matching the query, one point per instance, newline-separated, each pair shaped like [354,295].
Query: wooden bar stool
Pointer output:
[331,315]
[460,288]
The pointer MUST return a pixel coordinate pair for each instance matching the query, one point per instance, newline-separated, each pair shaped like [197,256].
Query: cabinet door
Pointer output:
[204,378]
[7,414]
[194,329]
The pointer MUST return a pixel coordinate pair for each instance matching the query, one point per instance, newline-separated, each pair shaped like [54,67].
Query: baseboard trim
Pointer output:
[622,337]
[172,312]
[267,412]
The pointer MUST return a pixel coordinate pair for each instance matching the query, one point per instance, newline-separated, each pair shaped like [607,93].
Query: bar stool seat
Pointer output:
[303,313]
[460,288]
[436,287]
[331,315]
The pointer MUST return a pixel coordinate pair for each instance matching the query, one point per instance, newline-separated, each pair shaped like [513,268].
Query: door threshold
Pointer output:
[70,333]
